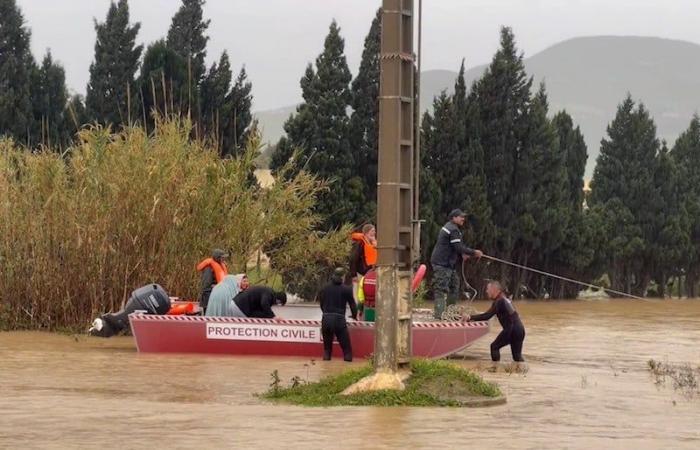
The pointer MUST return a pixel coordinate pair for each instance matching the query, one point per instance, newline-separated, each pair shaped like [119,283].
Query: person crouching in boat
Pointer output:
[513,333]
[221,298]
[257,301]
[213,272]
[334,298]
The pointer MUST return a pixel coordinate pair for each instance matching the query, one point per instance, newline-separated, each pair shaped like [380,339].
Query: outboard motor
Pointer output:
[151,299]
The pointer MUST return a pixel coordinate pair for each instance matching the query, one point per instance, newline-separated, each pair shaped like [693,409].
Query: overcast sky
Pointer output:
[275,39]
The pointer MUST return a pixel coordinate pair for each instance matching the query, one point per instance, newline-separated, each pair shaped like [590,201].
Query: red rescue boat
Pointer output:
[286,336]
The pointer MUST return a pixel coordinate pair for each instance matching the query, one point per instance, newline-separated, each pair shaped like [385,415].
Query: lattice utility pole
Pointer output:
[395,187]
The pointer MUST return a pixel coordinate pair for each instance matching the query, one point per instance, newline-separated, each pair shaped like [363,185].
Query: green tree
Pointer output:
[162,82]
[623,183]
[539,198]
[111,90]
[187,38]
[364,121]
[670,241]
[215,88]
[575,256]
[319,133]
[50,99]
[16,66]
[502,102]
[686,155]
[239,116]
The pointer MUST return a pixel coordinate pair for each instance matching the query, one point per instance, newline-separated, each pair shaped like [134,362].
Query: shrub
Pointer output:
[119,210]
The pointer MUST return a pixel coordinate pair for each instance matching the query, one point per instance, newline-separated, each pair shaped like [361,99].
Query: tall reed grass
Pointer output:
[79,231]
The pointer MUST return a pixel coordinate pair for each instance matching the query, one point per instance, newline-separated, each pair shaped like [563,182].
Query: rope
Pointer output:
[569,280]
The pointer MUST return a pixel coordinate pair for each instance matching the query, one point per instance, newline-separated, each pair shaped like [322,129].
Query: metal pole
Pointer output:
[395,187]
[416,156]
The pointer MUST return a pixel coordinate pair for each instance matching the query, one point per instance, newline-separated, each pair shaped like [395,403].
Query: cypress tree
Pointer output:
[50,99]
[214,89]
[574,257]
[320,132]
[111,84]
[162,82]
[16,66]
[540,201]
[670,241]
[686,155]
[364,121]
[238,115]
[186,37]
[623,183]
[502,102]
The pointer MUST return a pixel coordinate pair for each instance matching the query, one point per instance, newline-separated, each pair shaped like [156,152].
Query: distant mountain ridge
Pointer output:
[589,77]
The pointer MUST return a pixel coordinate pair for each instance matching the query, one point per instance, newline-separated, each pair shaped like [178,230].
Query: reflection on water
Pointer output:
[587,387]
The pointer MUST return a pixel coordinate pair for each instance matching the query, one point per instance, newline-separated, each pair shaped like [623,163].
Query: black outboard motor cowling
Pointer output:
[151,299]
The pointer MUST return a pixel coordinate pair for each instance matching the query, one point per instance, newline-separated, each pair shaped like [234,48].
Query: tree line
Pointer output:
[493,148]
[497,151]
[128,84]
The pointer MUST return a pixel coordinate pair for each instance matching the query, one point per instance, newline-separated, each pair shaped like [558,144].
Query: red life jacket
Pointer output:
[220,270]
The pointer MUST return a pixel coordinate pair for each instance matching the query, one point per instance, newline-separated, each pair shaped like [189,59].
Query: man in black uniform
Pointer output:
[334,298]
[513,333]
[447,252]
[257,301]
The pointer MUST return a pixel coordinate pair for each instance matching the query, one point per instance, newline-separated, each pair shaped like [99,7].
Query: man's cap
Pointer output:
[217,253]
[456,213]
[339,272]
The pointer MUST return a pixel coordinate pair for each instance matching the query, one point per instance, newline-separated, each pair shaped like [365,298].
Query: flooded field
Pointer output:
[588,386]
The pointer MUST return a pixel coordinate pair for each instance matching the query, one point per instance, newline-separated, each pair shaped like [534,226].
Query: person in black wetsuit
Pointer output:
[334,298]
[257,301]
[513,333]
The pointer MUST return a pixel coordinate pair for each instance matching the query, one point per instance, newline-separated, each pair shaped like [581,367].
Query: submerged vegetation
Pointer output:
[685,377]
[79,231]
[432,383]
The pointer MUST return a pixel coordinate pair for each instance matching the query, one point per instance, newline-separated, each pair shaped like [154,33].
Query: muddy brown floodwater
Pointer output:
[587,387]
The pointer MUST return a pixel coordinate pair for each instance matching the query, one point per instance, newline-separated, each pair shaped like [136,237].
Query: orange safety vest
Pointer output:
[370,250]
[220,270]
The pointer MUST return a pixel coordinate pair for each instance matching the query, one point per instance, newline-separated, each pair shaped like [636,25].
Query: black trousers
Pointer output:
[335,325]
[513,337]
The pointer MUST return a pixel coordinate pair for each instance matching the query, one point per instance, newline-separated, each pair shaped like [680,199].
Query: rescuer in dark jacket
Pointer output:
[513,333]
[257,301]
[334,298]
[448,250]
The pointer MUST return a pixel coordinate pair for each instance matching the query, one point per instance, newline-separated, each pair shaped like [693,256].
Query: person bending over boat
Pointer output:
[447,252]
[513,333]
[213,272]
[257,301]
[221,299]
[334,298]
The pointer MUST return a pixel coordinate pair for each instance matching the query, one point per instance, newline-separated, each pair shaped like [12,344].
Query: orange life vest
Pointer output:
[220,270]
[369,249]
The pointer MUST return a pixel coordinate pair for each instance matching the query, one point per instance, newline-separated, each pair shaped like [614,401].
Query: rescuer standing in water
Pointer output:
[335,298]
[513,333]
[448,249]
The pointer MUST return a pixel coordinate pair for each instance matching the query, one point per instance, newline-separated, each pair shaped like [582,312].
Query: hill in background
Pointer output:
[588,77]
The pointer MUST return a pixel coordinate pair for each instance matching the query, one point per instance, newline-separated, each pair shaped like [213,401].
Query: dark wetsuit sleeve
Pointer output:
[484,316]
[322,300]
[458,245]
[266,302]
[350,300]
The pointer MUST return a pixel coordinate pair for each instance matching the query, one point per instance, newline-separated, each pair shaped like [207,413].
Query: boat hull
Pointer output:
[286,337]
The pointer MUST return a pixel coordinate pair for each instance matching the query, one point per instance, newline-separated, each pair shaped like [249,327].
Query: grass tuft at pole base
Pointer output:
[430,383]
